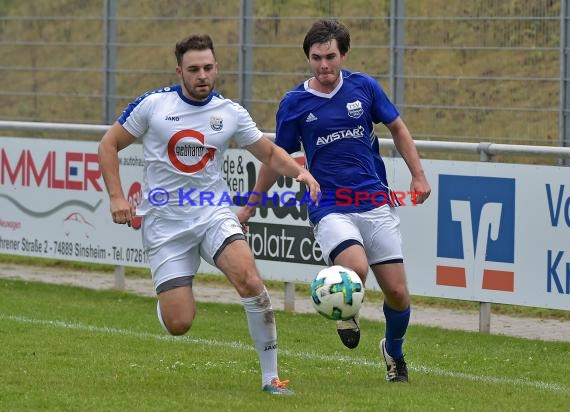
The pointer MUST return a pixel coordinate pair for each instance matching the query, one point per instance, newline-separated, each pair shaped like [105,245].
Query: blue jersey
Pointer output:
[336,131]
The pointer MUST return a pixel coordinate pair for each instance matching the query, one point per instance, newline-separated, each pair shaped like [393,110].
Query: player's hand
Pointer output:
[309,181]
[420,189]
[243,216]
[122,211]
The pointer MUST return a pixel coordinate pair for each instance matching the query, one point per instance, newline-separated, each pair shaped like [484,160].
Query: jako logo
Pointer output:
[476,231]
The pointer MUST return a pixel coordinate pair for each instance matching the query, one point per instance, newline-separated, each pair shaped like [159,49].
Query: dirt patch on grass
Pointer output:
[532,328]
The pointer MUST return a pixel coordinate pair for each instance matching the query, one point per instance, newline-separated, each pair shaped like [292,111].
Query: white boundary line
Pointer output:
[554,387]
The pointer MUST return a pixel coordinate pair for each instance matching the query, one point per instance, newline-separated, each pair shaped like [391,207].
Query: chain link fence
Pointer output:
[458,71]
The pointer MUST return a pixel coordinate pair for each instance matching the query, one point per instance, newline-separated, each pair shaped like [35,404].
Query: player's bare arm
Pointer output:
[267,178]
[114,140]
[276,162]
[279,160]
[407,149]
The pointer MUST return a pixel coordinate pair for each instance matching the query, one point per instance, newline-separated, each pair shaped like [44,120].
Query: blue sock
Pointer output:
[396,326]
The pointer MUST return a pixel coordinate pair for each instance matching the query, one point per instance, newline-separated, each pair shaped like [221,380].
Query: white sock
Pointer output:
[159,314]
[261,322]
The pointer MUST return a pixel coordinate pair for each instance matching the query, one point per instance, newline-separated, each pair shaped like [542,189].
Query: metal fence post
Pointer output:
[564,122]
[120,277]
[289,298]
[246,52]
[109,59]
[397,46]
[485,307]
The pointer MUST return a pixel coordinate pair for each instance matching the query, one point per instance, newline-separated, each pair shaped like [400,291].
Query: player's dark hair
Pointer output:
[193,42]
[323,31]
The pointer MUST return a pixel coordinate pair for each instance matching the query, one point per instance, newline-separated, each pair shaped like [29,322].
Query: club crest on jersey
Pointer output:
[216,123]
[354,109]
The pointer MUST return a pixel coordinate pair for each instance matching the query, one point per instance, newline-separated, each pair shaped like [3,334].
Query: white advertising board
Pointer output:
[53,203]
[489,232]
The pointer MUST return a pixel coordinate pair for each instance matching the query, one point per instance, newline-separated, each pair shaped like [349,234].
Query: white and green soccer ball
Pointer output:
[337,293]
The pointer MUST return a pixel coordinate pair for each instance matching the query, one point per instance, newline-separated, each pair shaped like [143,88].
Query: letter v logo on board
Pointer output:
[475,232]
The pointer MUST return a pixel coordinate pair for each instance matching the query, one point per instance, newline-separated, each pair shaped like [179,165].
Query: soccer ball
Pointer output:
[337,293]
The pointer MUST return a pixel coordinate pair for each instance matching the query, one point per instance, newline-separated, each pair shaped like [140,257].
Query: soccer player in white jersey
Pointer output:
[332,115]
[184,130]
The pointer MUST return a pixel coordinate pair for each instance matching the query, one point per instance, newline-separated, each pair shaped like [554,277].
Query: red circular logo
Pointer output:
[183,167]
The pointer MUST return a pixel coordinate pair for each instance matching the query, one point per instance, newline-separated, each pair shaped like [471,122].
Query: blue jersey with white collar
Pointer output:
[337,134]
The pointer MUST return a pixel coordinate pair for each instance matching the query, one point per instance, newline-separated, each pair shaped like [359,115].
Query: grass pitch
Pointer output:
[66,348]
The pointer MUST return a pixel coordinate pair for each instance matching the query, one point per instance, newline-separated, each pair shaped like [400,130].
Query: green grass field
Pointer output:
[66,348]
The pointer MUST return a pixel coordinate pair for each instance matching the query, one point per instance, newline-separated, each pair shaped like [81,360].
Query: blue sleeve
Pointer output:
[383,110]
[288,135]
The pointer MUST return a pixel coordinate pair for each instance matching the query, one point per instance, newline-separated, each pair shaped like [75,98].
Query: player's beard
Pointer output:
[198,92]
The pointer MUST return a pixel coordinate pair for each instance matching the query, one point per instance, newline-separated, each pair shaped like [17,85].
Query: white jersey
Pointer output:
[183,143]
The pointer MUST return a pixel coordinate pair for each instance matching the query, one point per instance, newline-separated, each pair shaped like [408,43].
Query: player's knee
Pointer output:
[179,326]
[252,288]
[397,296]
[361,270]
[248,284]
[363,275]
[174,325]
[358,266]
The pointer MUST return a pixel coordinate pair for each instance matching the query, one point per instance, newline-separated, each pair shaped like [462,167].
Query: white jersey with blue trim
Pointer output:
[183,144]
[337,134]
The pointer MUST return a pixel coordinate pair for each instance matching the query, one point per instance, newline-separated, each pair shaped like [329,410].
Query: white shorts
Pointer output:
[378,230]
[174,246]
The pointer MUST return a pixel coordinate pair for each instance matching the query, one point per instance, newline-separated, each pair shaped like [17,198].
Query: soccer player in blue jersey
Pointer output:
[332,115]
[184,131]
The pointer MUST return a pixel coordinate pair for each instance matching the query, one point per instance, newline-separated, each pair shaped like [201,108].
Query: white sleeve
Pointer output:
[246,132]
[136,115]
